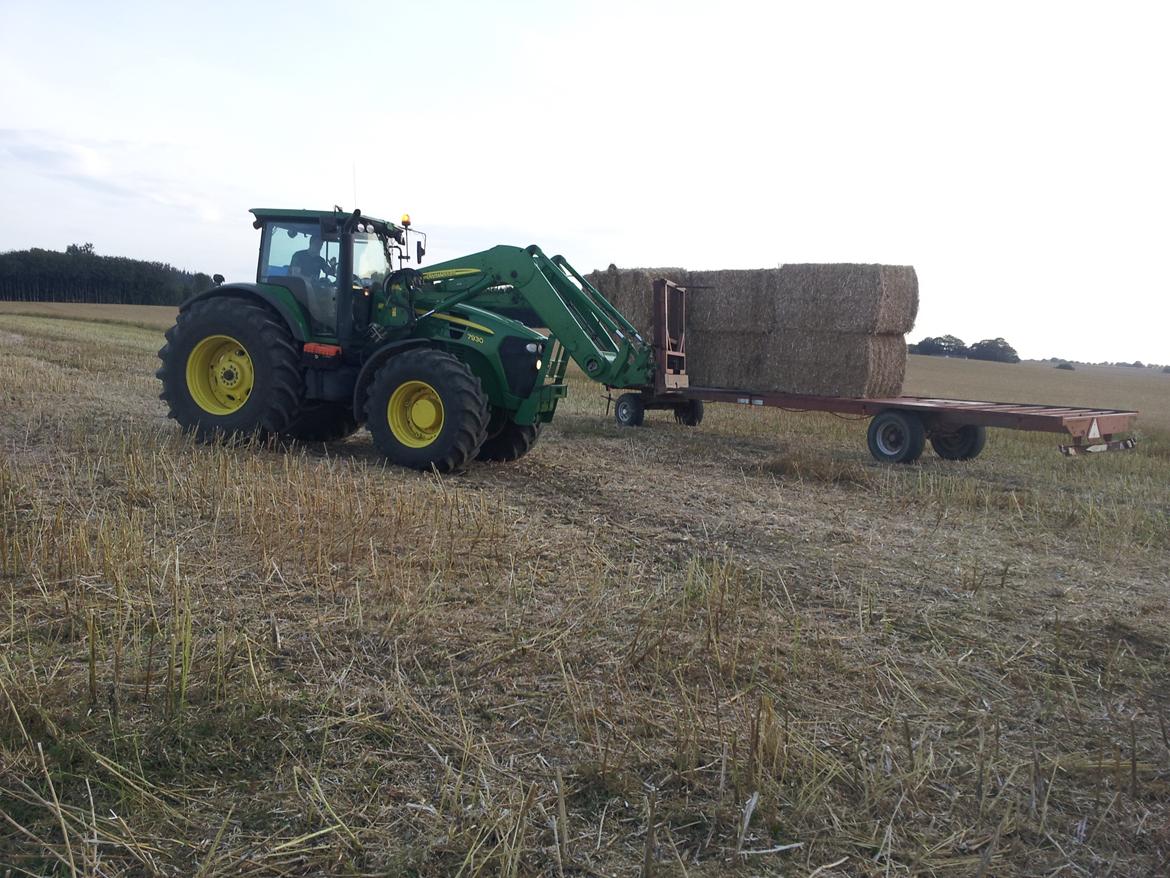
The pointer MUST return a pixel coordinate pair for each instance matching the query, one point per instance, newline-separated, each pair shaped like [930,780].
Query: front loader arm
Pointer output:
[598,337]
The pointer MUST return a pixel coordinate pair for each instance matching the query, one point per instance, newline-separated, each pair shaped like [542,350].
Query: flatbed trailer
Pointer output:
[899,426]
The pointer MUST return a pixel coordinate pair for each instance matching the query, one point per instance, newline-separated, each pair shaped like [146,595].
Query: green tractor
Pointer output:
[443,366]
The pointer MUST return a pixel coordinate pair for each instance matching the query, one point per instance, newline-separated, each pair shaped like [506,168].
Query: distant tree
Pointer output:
[995,349]
[80,275]
[1068,367]
[941,346]
[1166,369]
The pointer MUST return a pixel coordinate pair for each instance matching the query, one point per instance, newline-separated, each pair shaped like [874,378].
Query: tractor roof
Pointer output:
[266,213]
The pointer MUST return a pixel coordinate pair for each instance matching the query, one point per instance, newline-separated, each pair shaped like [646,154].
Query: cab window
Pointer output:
[290,248]
[300,258]
[369,260]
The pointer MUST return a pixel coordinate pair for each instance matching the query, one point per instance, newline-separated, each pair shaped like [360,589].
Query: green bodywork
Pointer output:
[589,330]
[461,306]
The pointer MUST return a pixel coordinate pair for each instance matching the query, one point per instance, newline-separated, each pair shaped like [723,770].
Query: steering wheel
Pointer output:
[400,287]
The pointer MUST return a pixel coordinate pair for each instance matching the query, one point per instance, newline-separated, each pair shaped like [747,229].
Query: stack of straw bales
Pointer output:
[835,330]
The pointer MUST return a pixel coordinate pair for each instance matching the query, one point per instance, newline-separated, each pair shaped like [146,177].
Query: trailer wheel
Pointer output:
[629,411]
[964,444]
[896,437]
[690,413]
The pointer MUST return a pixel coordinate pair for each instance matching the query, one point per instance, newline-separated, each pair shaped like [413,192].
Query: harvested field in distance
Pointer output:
[740,649]
[146,316]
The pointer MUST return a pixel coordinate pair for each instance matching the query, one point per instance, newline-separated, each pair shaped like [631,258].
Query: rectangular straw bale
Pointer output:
[876,299]
[734,299]
[833,330]
[797,361]
[841,297]
[630,290]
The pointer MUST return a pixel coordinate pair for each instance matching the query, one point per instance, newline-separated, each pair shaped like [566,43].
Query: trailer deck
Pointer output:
[1087,427]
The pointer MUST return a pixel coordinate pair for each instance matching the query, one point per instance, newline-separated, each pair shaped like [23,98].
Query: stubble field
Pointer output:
[739,649]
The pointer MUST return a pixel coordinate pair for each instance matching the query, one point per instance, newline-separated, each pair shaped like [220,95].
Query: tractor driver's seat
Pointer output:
[315,291]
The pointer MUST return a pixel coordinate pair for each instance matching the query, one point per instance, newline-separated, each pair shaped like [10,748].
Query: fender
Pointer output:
[278,299]
[373,364]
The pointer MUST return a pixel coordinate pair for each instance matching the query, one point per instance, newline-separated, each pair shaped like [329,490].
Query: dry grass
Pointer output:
[742,648]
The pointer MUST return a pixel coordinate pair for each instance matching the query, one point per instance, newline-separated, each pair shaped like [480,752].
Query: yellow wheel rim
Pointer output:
[219,375]
[415,414]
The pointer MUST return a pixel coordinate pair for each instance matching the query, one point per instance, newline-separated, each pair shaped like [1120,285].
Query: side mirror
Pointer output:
[419,252]
[217,279]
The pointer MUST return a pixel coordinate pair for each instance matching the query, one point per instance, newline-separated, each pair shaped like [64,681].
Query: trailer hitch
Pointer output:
[1077,450]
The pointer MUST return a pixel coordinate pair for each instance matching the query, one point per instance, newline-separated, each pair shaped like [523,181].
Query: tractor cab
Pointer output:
[313,253]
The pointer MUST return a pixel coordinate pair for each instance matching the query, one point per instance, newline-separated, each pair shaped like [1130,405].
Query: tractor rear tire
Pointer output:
[690,413]
[965,443]
[320,421]
[629,410]
[896,437]
[426,410]
[230,369]
[511,443]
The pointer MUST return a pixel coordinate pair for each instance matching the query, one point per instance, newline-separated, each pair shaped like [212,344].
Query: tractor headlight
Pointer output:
[532,347]
[538,365]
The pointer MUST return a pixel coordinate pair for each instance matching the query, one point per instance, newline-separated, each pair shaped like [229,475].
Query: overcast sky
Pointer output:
[1016,153]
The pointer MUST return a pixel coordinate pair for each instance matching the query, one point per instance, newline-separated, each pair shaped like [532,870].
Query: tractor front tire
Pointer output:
[426,410]
[230,369]
[321,421]
[511,443]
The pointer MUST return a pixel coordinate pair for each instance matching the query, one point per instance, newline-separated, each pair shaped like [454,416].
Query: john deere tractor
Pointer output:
[443,366]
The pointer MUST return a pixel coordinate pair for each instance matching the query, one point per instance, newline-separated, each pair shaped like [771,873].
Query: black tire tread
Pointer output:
[690,413]
[972,440]
[511,443]
[915,436]
[637,413]
[322,421]
[287,378]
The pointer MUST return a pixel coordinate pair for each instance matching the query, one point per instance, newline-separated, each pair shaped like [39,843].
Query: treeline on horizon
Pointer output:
[81,275]
[998,350]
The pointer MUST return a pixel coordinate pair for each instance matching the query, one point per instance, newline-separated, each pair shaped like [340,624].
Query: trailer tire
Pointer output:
[690,413]
[896,437]
[630,410]
[966,443]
